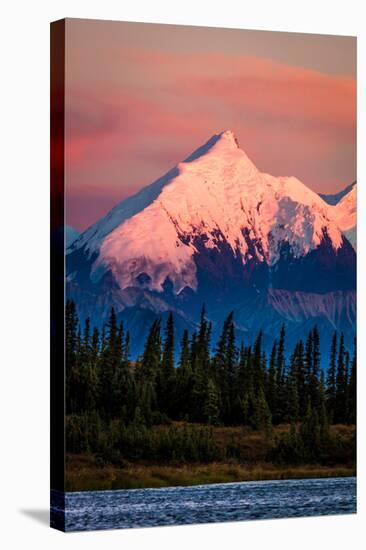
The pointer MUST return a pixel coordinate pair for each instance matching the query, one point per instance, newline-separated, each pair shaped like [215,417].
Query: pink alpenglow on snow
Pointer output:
[216,193]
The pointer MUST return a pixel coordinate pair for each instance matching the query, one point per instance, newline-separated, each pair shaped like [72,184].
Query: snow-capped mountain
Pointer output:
[215,229]
[217,195]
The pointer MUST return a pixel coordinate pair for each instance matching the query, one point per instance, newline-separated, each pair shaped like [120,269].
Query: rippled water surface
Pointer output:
[209,503]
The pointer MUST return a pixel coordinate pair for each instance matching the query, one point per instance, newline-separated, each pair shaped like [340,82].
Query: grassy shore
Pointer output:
[86,473]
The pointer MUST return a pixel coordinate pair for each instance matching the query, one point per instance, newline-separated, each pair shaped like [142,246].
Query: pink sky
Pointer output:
[140,98]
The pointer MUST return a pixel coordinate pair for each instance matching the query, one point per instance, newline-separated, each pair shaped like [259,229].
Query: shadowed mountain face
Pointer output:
[215,230]
[337,197]
[71,235]
[345,211]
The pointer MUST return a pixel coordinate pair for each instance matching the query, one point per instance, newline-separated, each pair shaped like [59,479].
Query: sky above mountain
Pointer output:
[141,97]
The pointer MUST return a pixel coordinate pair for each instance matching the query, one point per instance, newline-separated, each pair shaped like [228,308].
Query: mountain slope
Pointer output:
[71,235]
[336,197]
[345,215]
[343,211]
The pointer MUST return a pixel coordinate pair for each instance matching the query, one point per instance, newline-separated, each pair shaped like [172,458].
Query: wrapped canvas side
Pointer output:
[57,242]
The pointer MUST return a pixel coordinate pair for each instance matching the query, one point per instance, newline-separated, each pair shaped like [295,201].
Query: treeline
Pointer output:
[233,385]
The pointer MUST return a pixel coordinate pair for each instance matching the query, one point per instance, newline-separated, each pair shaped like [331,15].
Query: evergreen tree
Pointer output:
[113,332]
[71,329]
[94,351]
[184,360]
[168,350]
[280,378]
[184,380]
[200,356]
[301,378]
[85,344]
[111,378]
[231,361]
[202,343]
[87,376]
[262,419]
[126,349]
[211,406]
[331,377]
[352,388]
[199,394]
[231,350]
[272,386]
[258,365]
[323,414]
[120,345]
[225,362]
[146,404]
[346,387]
[310,434]
[79,347]
[244,392]
[103,339]
[308,370]
[166,373]
[315,369]
[292,395]
[193,350]
[341,383]
[151,358]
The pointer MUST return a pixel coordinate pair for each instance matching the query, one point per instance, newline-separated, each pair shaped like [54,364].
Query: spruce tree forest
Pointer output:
[195,402]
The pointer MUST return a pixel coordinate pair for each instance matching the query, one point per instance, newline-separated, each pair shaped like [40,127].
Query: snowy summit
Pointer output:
[216,196]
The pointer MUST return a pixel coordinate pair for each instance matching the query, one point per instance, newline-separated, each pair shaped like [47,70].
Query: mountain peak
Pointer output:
[230,138]
[223,140]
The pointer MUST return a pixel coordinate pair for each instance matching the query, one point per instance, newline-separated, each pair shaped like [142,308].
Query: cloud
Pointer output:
[290,120]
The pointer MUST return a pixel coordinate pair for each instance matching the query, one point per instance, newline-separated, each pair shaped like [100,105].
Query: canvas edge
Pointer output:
[57,273]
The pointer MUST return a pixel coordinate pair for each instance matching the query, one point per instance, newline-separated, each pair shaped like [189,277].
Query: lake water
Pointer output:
[206,503]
